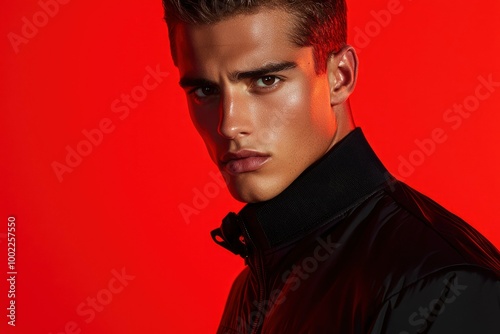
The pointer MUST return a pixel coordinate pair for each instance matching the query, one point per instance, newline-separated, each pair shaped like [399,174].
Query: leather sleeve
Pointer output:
[454,301]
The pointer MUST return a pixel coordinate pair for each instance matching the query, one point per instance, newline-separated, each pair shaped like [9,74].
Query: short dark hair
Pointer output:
[320,24]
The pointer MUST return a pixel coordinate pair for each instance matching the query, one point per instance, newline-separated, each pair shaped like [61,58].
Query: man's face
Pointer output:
[256,100]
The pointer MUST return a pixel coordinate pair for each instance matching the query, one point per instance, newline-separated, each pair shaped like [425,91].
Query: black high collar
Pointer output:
[345,174]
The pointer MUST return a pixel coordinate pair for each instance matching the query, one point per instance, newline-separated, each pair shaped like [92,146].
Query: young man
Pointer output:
[332,242]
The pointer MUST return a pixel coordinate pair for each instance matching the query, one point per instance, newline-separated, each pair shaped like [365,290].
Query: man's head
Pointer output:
[267,84]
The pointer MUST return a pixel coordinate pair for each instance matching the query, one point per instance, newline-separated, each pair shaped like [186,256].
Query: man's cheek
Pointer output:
[280,121]
[270,133]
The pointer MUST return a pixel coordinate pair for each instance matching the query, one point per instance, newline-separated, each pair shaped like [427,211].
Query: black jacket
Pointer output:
[346,249]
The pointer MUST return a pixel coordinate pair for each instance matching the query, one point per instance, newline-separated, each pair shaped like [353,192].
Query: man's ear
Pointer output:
[342,71]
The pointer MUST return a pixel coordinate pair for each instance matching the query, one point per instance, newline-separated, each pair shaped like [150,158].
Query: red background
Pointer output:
[119,208]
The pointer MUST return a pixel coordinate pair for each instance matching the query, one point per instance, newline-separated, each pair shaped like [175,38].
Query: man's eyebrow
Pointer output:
[240,75]
[262,71]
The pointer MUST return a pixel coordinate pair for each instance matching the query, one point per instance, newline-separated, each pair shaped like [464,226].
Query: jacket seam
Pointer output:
[425,221]
[467,267]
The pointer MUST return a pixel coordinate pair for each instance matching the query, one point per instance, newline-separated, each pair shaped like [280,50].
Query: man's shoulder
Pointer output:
[423,224]
[411,237]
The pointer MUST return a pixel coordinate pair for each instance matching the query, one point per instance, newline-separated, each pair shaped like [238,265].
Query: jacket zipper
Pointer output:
[262,291]
[261,283]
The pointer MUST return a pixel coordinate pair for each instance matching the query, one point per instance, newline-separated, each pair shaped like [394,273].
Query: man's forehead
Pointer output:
[242,41]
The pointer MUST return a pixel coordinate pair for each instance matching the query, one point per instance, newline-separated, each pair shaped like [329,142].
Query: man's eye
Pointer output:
[267,81]
[206,91]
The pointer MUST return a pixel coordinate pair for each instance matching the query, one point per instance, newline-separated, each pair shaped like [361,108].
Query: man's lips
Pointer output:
[243,161]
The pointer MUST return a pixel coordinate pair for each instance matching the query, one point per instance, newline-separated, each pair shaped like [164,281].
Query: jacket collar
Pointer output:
[344,175]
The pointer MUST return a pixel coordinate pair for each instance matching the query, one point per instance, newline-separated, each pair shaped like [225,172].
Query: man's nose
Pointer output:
[235,118]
